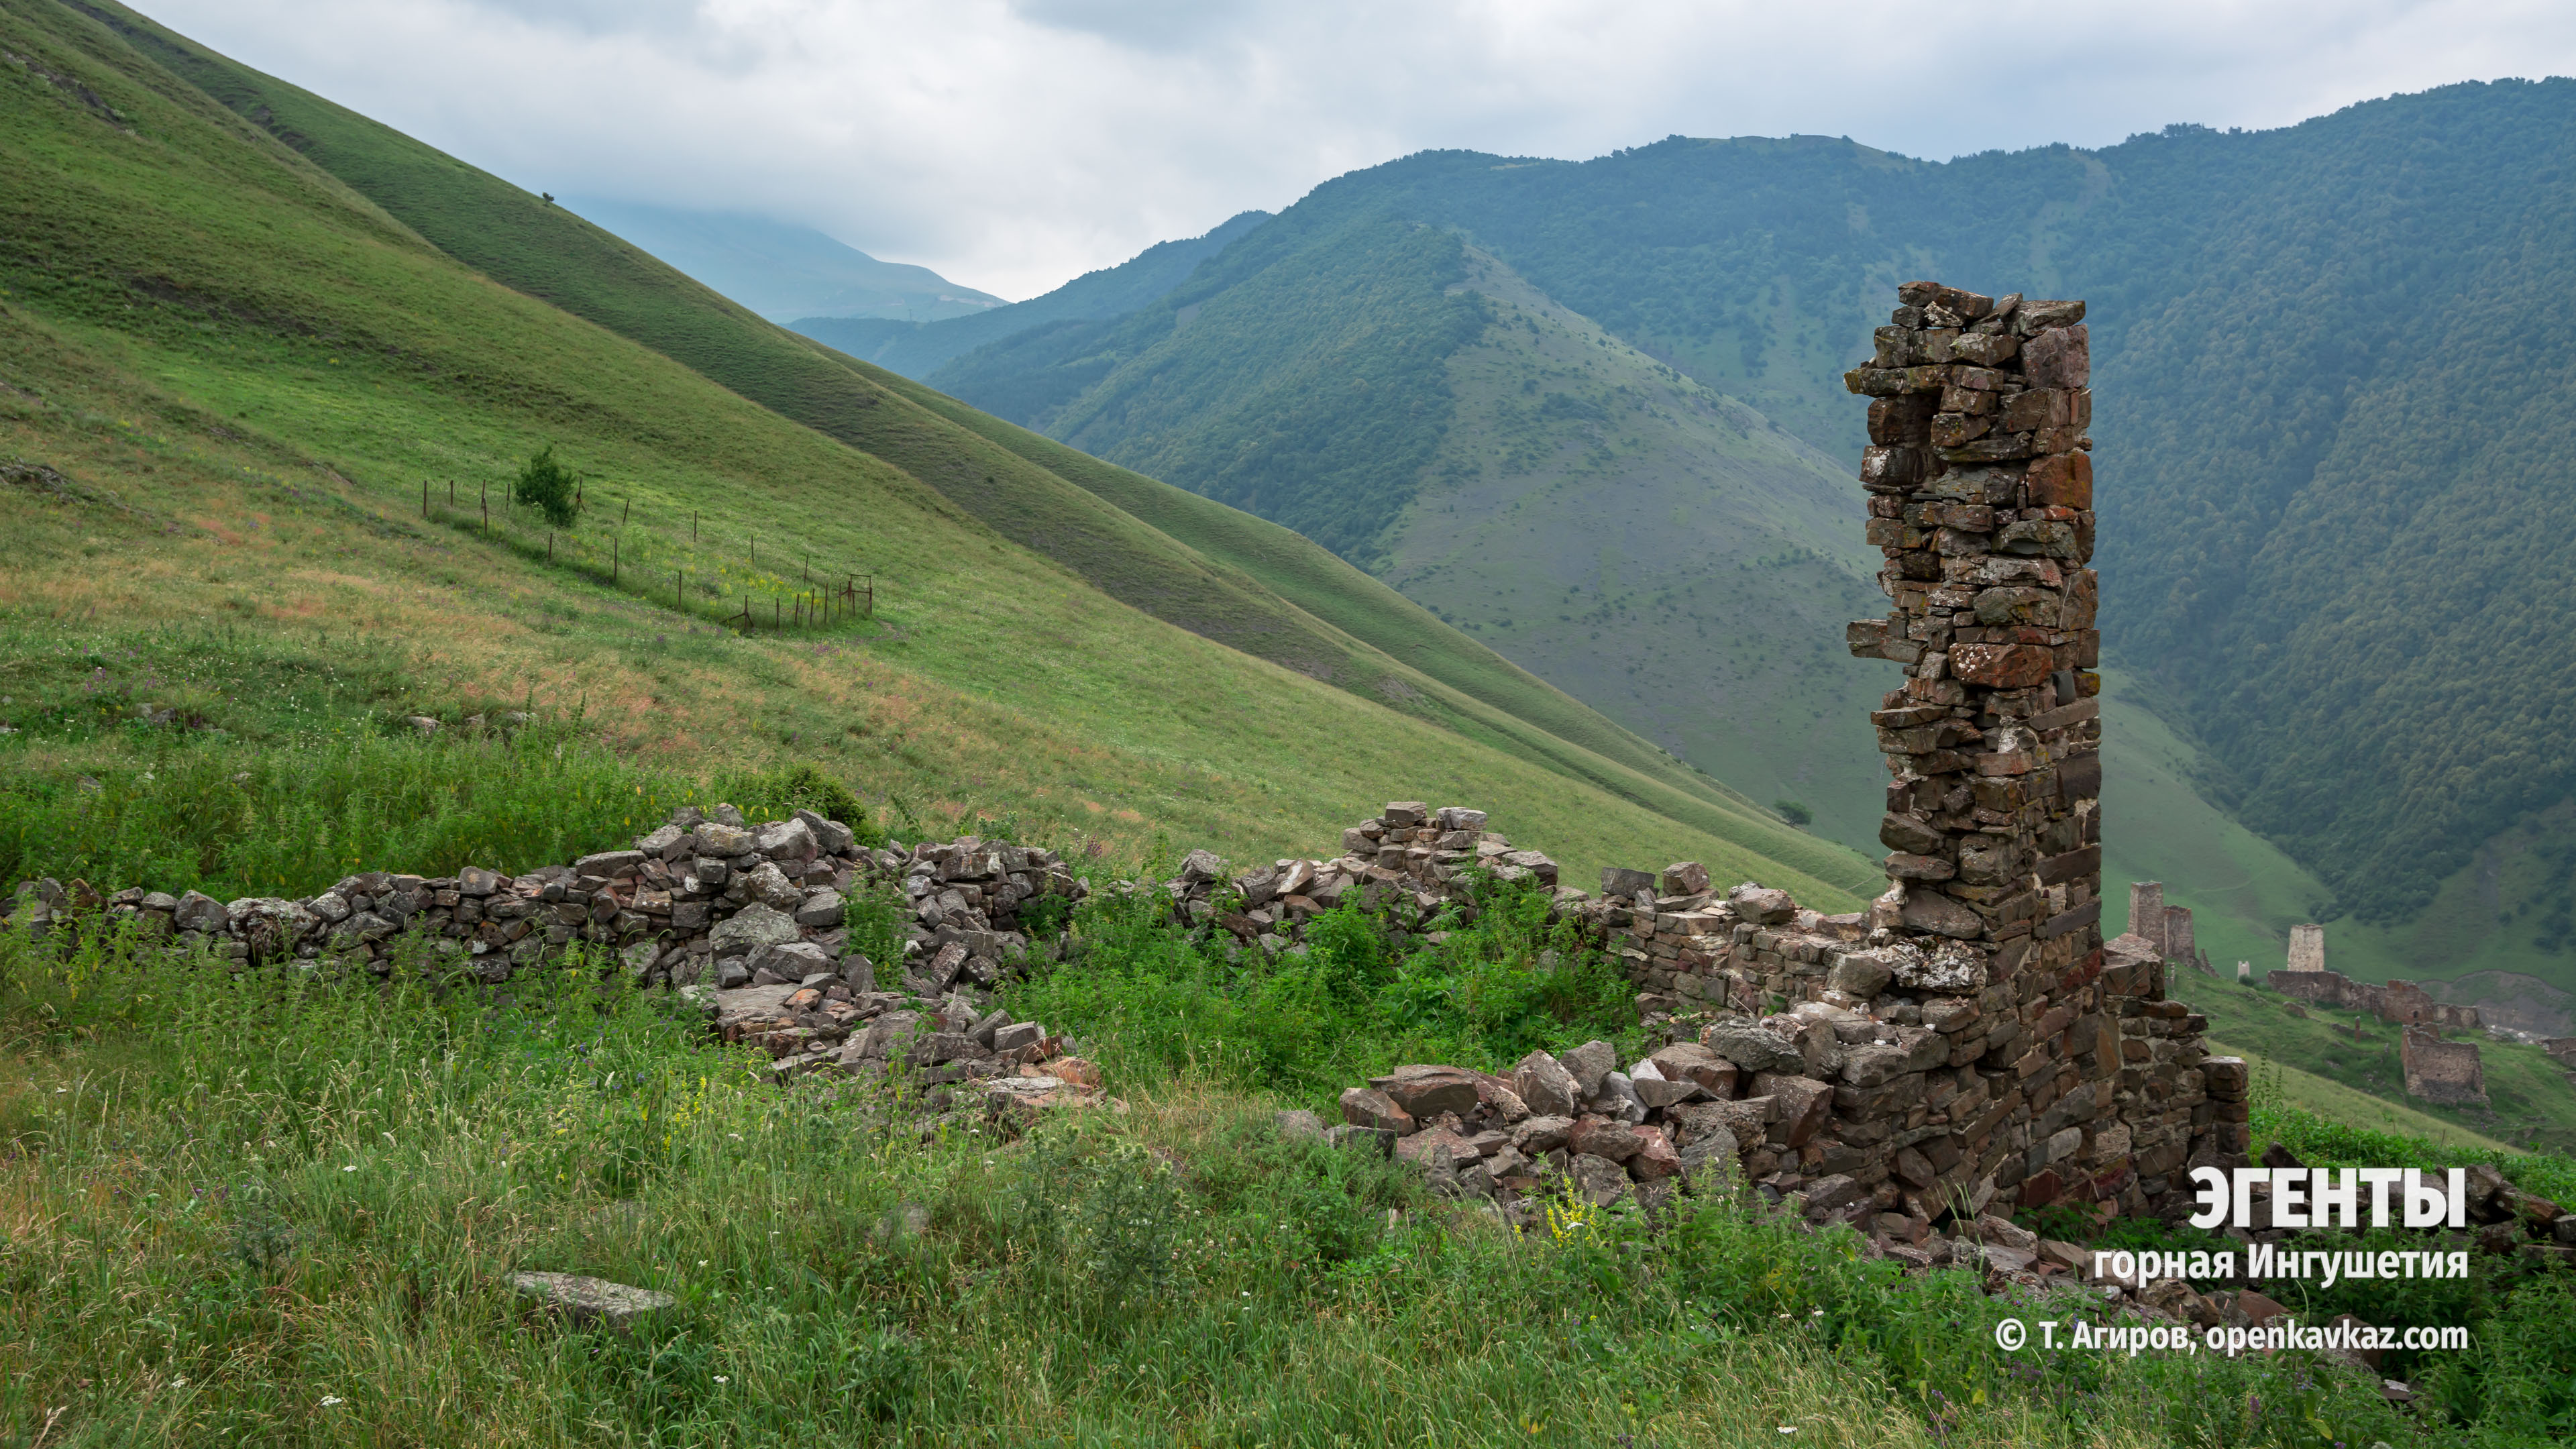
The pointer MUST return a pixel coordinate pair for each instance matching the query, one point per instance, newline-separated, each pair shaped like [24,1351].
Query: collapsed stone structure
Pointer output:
[2401,1002]
[1969,1042]
[2447,1073]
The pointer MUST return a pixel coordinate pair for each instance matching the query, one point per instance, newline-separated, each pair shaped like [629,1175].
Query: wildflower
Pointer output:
[329,1399]
[352,1167]
[720,1378]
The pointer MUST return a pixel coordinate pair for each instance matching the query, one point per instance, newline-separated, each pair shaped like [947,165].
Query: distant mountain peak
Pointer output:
[781,270]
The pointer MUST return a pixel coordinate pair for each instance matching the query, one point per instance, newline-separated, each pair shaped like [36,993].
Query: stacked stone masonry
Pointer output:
[2402,1002]
[1970,1042]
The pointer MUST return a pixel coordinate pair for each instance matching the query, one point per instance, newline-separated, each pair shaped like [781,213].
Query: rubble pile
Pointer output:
[1407,864]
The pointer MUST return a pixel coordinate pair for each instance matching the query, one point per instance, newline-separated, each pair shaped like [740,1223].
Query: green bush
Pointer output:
[1157,999]
[773,794]
[549,487]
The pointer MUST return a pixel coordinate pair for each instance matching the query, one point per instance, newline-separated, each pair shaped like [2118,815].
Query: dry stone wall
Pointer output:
[1970,1043]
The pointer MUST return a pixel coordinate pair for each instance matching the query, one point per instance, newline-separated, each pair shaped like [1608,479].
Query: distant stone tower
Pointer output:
[2244,973]
[2179,944]
[2308,947]
[2147,913]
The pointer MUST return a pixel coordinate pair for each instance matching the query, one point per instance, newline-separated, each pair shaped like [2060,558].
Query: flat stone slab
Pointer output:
[591,1301]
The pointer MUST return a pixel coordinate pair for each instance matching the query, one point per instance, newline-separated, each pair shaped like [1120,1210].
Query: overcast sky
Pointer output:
[1012,144]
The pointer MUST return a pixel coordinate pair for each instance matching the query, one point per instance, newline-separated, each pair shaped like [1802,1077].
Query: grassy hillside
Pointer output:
[547,252]
[1494,698]
[2533,1104]
[1405,398]
[2325,519]
[229,375]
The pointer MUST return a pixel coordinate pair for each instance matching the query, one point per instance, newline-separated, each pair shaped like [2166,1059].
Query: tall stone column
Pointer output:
[1980,479]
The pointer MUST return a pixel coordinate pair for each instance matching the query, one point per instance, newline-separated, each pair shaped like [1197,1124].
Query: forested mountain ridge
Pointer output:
[2332,470]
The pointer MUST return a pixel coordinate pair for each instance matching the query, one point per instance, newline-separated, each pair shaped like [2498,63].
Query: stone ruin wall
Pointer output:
[1975,1038]
[2447,1073]
[1967,1044]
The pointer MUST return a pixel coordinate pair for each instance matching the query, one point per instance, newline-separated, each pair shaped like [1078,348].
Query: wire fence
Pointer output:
[699,577]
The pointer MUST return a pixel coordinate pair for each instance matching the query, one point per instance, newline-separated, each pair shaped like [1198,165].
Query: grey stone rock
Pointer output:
[1754,1049]
[330,907]
[201,912]
[722,839]
[660,841]
[1709,1159]
[770,886]
[1600,1180]
[1861,973]
[1761,904]
[474,881]
[1300,1126]
[822,909]
[1017,1036]
[786,840]
[1928,911]
[1588,1064]
[1618,884]
[592,1302]
[732,974]
[1375,1141]
[1545,1086]
[608,863]
[791,961]
[754,926]
[1538,1136]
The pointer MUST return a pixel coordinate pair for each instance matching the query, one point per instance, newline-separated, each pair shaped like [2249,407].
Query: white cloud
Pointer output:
[1011,144]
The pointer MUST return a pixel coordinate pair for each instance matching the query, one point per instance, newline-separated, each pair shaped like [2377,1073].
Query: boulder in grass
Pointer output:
[1601,1181]
[201,912]
[591,1302]
[1369,1107]
[1424,1091]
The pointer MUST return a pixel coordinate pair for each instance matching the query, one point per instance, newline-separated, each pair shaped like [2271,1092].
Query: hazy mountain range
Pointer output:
[1591,413]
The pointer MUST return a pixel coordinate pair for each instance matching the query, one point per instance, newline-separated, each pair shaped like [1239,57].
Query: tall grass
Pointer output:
[1360,999]
[280,1209]
[290,818]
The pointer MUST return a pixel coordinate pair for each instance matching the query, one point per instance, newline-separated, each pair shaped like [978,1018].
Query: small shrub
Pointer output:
[549,487]
[1794,812]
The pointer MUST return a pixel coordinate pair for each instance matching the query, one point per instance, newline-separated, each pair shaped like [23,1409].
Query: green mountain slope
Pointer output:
[242,370]
[543,250]
[1537,720]
[1652,548]
[2332,470]
[917,348]
[2332,462]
